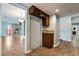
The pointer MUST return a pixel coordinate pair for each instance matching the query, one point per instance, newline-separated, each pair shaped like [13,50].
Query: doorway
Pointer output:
[75,31]
[13,41]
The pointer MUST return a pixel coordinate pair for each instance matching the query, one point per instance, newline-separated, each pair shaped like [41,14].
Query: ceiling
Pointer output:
[11,14]
[65,9]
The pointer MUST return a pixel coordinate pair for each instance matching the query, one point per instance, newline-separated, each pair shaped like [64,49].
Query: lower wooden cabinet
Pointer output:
[48,39]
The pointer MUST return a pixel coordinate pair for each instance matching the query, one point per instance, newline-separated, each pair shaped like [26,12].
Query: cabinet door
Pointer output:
[35,11]
[45,21]
[47,40]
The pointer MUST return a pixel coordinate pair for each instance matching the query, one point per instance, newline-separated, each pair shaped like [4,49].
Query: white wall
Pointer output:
[54,25]
[51,23]
[28,31]
[75,20]
[0,19]
[78,30]
[65,28]
[0,33]
[57,31]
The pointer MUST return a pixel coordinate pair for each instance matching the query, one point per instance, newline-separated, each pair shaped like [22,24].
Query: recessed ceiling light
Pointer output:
[56,10]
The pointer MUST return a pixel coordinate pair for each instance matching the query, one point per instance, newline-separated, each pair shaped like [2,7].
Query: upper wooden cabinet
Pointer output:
[35,11]
[45,21]
[39,13]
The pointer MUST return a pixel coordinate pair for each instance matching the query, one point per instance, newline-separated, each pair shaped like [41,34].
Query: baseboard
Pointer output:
[28,51]
[57,44]
[0,46]
[65,40]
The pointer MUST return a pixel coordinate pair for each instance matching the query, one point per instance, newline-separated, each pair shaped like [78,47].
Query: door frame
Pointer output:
[25,25]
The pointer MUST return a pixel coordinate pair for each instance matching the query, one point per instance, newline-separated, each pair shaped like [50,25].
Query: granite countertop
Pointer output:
[48,31]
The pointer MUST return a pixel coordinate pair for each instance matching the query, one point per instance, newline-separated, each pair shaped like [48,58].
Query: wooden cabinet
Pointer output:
[35,11]
[45,21]
[48,39]
[39,13]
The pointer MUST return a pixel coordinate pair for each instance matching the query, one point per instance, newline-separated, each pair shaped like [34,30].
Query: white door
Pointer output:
[35,33]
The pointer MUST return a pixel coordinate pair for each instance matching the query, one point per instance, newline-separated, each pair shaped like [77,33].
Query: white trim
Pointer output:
[55,45]
[0,45]
[28,51]
[26,21]
[18,5]
[66,40]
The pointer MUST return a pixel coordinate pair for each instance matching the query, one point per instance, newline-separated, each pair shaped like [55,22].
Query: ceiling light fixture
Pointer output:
[56,10]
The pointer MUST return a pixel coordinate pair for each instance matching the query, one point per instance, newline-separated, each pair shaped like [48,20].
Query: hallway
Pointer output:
[64,49]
